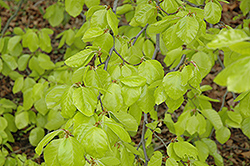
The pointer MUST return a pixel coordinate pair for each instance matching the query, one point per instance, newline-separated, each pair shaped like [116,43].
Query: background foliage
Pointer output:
[84,109]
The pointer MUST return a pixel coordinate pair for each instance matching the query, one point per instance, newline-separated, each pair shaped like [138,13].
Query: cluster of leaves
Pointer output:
[95,102]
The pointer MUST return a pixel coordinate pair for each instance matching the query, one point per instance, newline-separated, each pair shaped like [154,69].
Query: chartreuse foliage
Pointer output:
[94,108]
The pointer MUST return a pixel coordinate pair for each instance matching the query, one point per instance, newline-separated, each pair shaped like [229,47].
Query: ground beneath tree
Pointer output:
[235,151]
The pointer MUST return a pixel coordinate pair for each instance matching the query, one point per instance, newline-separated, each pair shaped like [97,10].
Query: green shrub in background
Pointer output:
[94,108]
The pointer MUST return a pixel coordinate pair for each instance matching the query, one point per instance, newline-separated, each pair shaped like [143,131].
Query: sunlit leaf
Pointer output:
[113,100]
[112,21]
[235,76]
[119,131]
[74,7]
[85,100]
[213,117]
[187,29]
[222,134]
[96,142]
[227,38]
[80,59]
[212,12]
[173,85]
[156,159]
[45,140]
[36,135]
[70,152]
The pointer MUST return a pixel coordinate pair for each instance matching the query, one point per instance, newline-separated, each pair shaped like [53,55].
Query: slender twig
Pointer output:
[191,99]
[183,57]
[124,61]
[100,64]
[22,148]
[162,145]
[99,98]
[221,63]
[110,53]
[143,140]
[157,46]
[38,3]
[100,59]
[223,67]
[87,159]
[210,135]
[160,8]
[11,18]
[160,140]
[236,147]
[121,57]
[180,63]
[83,16]
[193,5]
[115,6]
[223,101]
[248,15]
[138,146]
[112,49]
[138,35]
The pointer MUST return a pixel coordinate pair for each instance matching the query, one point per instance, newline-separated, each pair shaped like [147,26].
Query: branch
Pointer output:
[143,140]
[138,35]
[161,140]
[224,97]
[180,63]
[38,3]
[110,53]
[125,60]
[100,60]
[193,102]
[115,6]
[193,5]
[223,100]
[221,63]
[162,145]
[160,8]
[157,46]
[99,98]
[121,57]
[87,159]
[22,148]
[11,18]
[112,49]
[248,15]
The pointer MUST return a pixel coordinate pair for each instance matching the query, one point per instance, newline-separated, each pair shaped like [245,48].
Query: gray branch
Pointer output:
[110,53]
[179,64]
[157,46]
[143,138]
[115,6]
[138,35]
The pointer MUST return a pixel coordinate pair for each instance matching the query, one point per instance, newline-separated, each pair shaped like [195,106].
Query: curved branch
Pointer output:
[11,18]
[110,53]
[124,61]
[115,6]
